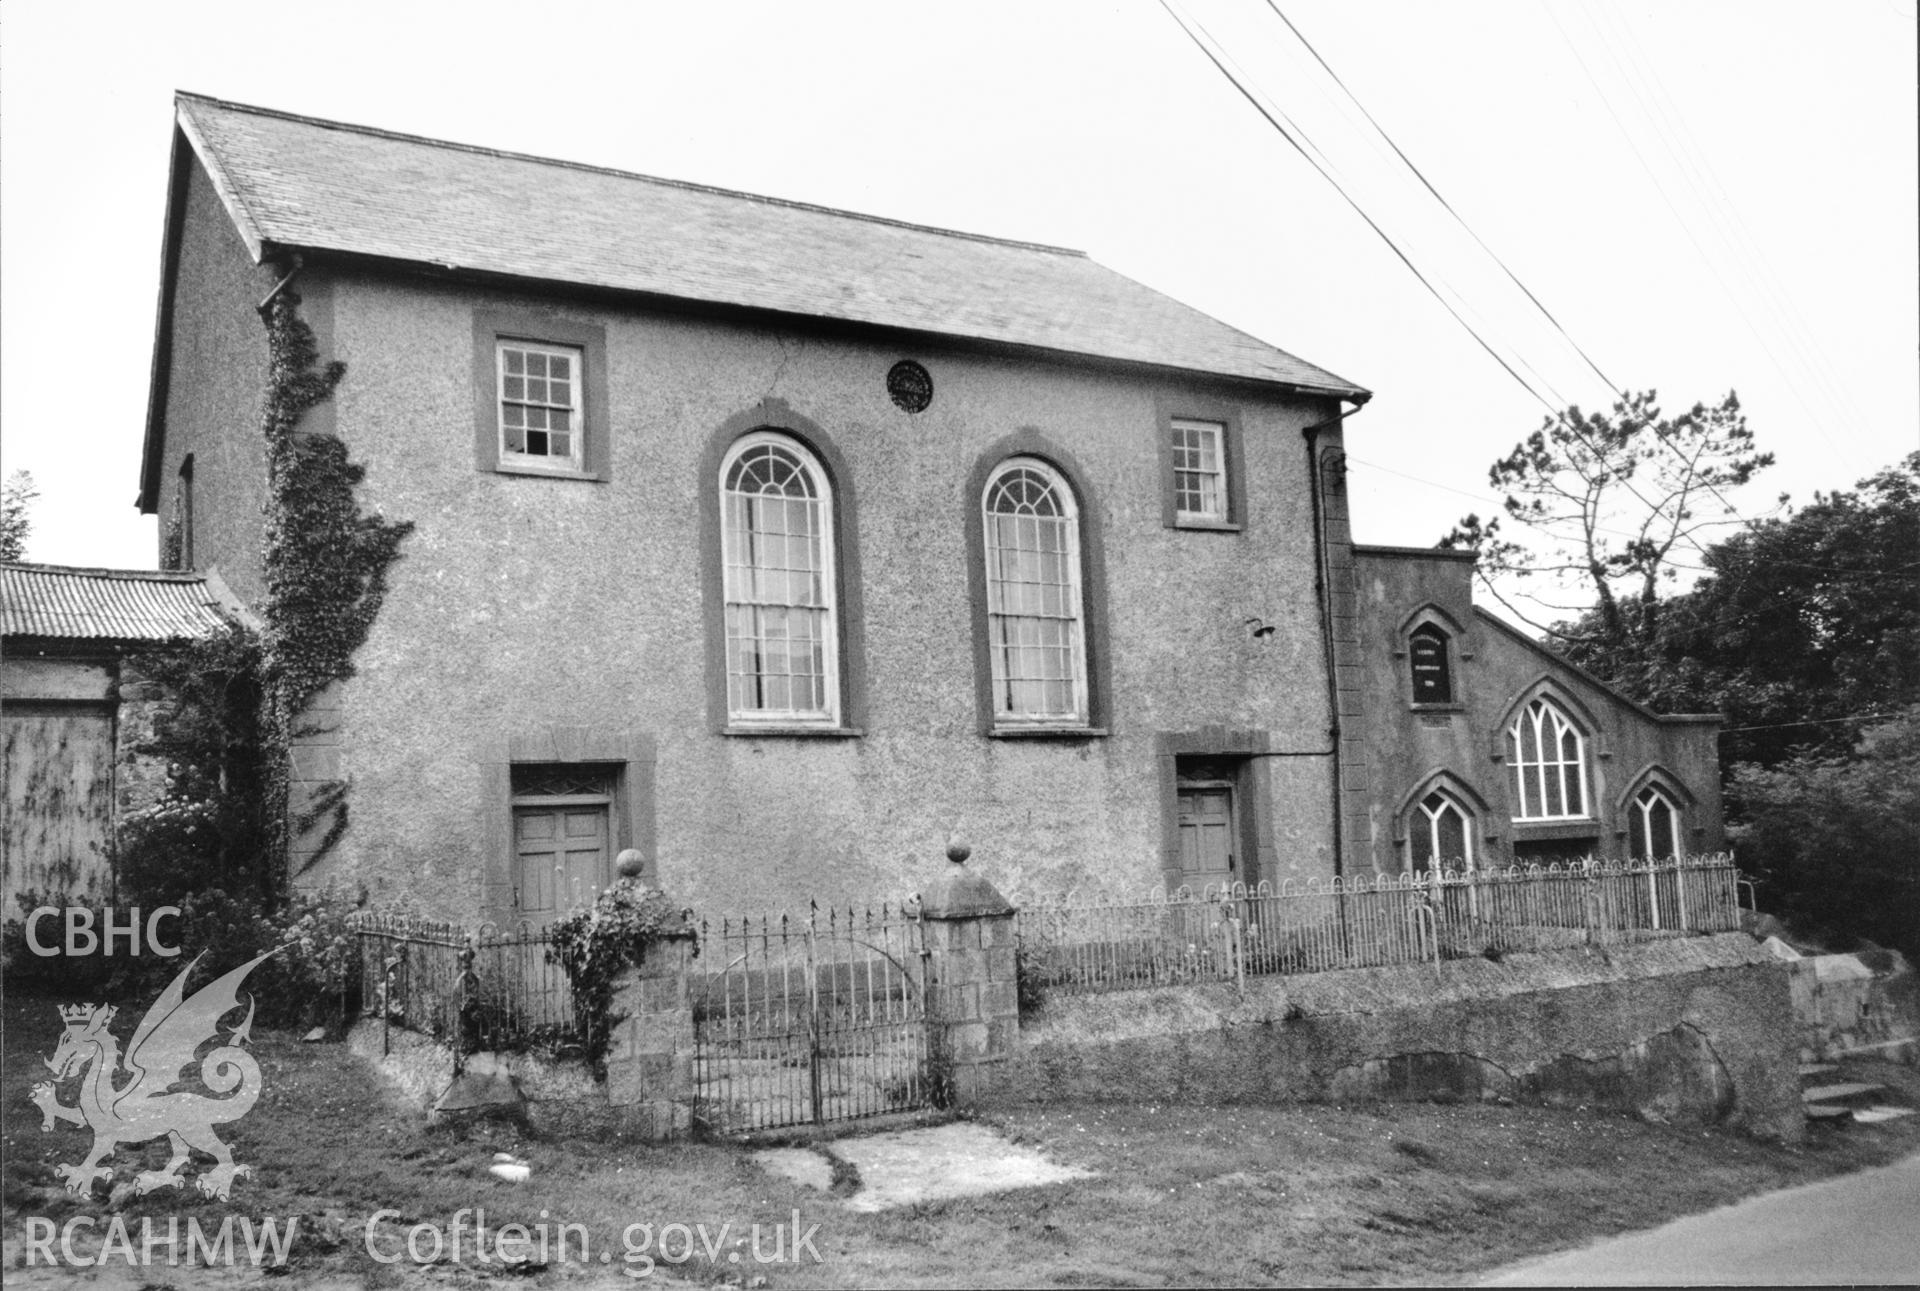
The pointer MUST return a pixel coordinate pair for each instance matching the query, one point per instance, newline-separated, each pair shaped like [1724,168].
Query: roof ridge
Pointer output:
[1421,553]
[376,132]
[1605,687]
[100,571]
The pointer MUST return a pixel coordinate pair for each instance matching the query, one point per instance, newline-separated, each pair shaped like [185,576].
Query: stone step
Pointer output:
[1874,1115]
[1826,1112]
[1830,1093]
[1816,1068]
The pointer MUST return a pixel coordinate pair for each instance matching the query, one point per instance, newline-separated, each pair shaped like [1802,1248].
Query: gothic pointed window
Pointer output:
[1547,764]
[1653,825]
[1428,657]
[1440,834]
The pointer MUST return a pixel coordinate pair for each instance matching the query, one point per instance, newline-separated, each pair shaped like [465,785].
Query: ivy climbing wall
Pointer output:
[326,562]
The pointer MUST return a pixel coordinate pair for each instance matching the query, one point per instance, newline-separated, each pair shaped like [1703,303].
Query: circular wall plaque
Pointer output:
[909,386]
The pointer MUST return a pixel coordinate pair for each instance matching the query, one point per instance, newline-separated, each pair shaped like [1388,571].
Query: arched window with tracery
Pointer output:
[777,556]
[1547,761]
[1653,825]
[1036,639]
[1440,834]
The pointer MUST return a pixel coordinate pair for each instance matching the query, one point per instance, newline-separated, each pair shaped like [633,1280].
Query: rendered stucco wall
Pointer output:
[1695,1028]
[529,612]
[1493,669]
[218,373]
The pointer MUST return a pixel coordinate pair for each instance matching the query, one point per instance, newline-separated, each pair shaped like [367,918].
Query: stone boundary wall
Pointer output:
[1693,1028]
[648,1089]
[646,1092]
[552,1097]
[1697,1028]
[1864,1004]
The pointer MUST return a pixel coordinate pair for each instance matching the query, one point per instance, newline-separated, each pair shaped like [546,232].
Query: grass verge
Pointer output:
[1182,1195]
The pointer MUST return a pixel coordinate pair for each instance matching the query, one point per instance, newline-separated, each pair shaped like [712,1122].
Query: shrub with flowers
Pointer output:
[210,826]
[312,976]
[176,834]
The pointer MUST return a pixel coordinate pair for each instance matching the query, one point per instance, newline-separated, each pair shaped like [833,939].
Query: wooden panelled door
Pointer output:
[561,860]
[562,837]
[1209,836]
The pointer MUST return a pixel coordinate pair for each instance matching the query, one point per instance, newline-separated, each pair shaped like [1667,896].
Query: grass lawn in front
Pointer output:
[1181,1195]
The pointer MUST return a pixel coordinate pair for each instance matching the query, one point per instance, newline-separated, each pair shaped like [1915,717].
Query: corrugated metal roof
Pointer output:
[110,604]
[305,184]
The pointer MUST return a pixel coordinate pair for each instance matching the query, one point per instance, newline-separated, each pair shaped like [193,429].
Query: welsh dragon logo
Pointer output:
[146,1106]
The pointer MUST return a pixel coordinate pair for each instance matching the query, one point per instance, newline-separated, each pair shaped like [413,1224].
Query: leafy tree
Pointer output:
[1805,626]
[1804,630]
[1609,499]
[15,524]
[1835,841]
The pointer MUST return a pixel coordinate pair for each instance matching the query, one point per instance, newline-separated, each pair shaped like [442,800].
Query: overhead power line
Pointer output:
[1642,80]
[1654,103]
[1476,497]
[1437,196]
[1557,412]
[1885,570]
[1514,278]
[1297,137]
[1205,42]
[1685,227]
[1825,721]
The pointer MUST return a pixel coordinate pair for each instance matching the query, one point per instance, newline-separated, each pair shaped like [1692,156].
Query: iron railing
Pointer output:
[491,988]
[804,1020]
[1080,942]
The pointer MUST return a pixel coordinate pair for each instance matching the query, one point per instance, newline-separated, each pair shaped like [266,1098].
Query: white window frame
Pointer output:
[574,462]
[1074,609]
[1427,821]
[1640,820]
[734,597]
[1218,432]
[1530,778]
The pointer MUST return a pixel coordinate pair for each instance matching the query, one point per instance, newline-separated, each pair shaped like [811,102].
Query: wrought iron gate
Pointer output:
[804,1021]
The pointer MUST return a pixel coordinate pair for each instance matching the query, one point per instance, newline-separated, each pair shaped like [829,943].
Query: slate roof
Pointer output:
[299,183]
[112,604]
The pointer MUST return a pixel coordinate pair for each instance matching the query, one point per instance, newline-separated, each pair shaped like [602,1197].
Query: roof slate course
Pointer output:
[304,184]
[111,604]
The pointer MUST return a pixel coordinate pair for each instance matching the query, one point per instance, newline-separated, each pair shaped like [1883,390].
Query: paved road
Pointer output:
[1861,1228]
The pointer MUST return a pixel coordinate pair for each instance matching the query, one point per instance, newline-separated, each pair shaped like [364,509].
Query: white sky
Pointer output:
[1772,248]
